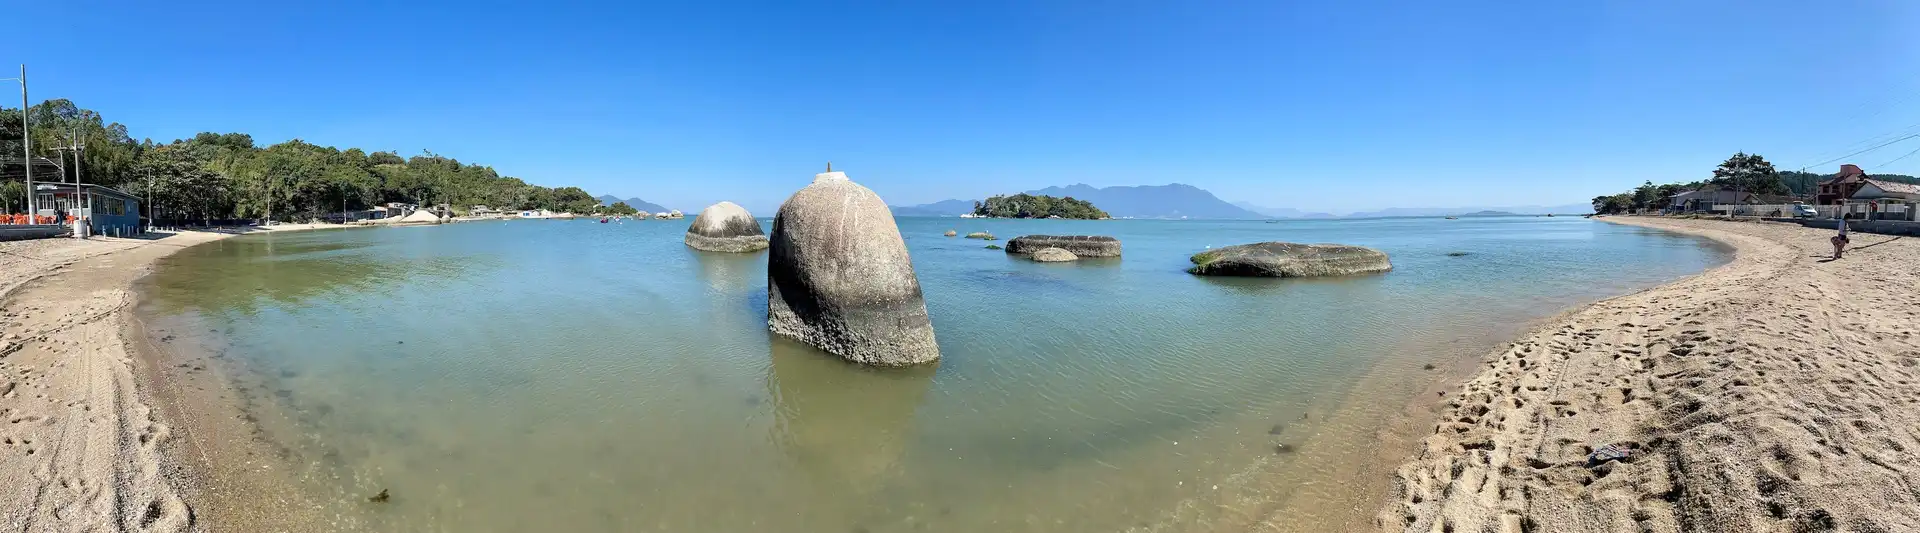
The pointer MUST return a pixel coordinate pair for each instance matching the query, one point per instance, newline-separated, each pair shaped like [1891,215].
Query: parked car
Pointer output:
[1804,211]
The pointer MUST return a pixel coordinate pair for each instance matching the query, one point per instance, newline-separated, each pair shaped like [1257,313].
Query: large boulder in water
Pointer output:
[838,277]
[1080,245]
[726,227]
[1289,260]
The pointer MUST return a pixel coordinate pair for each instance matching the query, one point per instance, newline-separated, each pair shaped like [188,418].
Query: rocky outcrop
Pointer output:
[839,278]
[981,235]
[1289,260]
[1080,245]
[726,227]
[641,215]
[951,233]
[1049,255]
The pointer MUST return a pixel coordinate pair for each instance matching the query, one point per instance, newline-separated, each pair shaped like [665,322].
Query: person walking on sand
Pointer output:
[1840,241]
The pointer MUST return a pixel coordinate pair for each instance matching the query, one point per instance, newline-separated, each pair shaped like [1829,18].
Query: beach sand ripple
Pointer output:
[1780,392]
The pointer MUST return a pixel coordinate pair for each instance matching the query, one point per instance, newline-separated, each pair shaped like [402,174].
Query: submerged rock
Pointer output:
[981,235]
[993,247]
[839,278]
[1080,245]
[1048,255]
[951,233]
[1289,260]
[726,227]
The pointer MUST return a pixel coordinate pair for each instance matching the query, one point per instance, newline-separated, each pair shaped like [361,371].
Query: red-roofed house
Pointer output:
[1841,186]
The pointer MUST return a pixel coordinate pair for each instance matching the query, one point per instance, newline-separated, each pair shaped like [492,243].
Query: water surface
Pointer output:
[507,376]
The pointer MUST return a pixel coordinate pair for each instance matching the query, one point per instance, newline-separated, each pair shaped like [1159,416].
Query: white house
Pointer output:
[1872,189]
[1705,198]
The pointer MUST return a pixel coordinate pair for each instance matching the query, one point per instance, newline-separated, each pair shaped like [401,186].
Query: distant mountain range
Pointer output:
[943,208]
[1282,212]
[636,203]
[1186,201]
[1568,209]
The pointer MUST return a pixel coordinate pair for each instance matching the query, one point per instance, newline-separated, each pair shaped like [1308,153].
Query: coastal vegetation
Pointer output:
[1742,172]
[1025,205]
[219,176]
[618,208]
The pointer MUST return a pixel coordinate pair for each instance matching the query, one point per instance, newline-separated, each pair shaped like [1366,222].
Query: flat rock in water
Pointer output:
[981,235]
[951,233]
[726,227]
[839,278]
[1050,255]
[1289,260]
[1080,245]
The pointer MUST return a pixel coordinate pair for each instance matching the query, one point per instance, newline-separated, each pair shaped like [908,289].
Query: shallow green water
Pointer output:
[506,376]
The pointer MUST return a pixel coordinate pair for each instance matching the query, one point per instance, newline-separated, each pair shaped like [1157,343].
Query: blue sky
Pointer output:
[1326,106]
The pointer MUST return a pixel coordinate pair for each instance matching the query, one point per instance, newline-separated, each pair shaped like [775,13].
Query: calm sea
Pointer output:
[578,376]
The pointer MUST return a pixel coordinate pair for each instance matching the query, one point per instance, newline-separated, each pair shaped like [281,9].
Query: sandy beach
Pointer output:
[79,440]
[1774,393]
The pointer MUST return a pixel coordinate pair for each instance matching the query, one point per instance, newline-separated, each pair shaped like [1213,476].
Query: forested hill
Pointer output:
[226,175]
[1808,182]
[1033,206]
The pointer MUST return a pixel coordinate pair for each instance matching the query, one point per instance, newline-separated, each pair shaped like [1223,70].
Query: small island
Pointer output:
[1032,206]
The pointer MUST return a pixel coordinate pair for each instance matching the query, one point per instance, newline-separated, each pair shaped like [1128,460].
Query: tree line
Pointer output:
[218,176]
[1743,172]
[1025,205]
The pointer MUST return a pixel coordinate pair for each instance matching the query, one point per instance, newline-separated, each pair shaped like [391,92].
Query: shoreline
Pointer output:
[225,490]
[81,432]
[1728,389]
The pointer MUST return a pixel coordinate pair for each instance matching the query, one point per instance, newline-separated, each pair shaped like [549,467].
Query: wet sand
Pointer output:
[1774,393]
[81,446]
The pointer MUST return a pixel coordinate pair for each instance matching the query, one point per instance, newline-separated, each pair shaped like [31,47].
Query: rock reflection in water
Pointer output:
[845,424]
[729,272]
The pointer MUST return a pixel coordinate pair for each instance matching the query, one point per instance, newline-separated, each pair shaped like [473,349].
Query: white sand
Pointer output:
[79,445]
[1779,392]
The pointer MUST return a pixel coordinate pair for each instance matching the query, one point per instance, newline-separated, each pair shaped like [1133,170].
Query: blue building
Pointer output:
[107,211]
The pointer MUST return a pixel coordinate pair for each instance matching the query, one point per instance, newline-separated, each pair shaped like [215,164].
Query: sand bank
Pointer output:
[80,444]
[1774,393]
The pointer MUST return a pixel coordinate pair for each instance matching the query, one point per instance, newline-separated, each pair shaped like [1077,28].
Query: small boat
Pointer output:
[1453,218]
[603,221]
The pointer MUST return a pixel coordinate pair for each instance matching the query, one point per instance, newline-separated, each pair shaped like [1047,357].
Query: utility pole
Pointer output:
[149,200]
[26,143]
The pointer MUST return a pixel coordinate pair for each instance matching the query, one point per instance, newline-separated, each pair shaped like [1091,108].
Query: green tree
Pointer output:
[1750,173]
[1646,195]
[1614,204]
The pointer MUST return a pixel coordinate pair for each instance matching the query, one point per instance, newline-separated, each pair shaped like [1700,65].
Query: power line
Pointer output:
[1878,138]
[1875,147]
[1897,159]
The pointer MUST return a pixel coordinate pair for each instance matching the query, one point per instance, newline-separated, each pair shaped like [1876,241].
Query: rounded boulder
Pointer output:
[726,227]
[1049,255]
[1289,260]
[839,277]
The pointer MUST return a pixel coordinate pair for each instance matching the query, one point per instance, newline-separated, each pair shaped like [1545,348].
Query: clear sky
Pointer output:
[1325,106]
